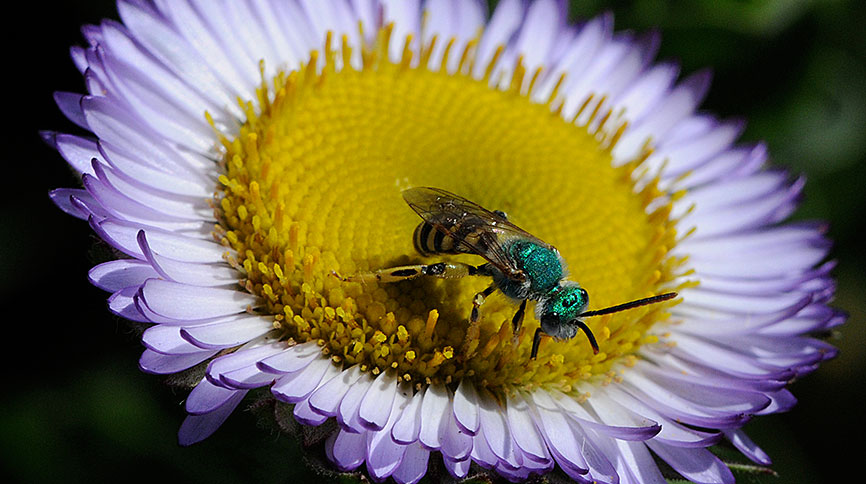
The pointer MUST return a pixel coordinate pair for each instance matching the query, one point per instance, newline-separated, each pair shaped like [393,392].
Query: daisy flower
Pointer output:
[242,152]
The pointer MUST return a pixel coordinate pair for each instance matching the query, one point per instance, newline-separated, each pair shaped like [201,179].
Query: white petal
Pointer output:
[292,359]
[541,26]
[375,409]
[526,434]
[154,177]
[408,426]
[432,412]
[326,399]
[496,429]
[209,275]
[169,205]
[406,15]
[506,19]
[196,64]
[456,444]
[347,414]
[124,236]
[466,407]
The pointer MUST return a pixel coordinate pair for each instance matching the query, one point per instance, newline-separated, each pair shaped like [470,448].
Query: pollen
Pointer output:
[311,188]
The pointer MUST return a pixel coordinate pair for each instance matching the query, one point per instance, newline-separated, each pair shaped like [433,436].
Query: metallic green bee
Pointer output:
[522,266]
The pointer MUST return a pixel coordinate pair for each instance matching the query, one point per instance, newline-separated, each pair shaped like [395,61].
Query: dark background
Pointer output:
[74,406]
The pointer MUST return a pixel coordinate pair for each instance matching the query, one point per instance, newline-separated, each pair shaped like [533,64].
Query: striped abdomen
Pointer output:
[461,236]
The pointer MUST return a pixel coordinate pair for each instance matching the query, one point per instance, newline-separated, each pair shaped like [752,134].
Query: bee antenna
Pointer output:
[536,340]
[589,335]
[629,305]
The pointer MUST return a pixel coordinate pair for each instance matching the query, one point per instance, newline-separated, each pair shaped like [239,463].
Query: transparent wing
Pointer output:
[472,226]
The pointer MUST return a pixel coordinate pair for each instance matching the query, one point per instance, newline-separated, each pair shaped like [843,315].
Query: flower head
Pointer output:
[247,153]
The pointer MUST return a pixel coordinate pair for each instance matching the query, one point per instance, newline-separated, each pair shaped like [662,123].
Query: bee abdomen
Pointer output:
[428,240]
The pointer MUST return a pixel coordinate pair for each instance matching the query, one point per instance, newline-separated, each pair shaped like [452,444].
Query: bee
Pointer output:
[522,266]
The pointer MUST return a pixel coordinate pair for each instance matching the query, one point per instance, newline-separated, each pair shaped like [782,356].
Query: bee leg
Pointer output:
[536,340]
[477,301]
[444,270]
[473,331]
[517,320]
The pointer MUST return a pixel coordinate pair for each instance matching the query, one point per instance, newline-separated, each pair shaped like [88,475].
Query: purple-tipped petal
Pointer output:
[78,151]
[745,445]
[408,426]
[196,428]
[696,465]
[121,273]
[293,359]
[383,454]
[70,105]
[180,301]
[457,469]
[413,466]
[122,303]
[613,420]
[195,274]
[558,434]
[243,358]
[64,199]
[207,397]
[671,433]
[326,399]
[246,378]
[481,452]
[167,340]
[349,450]
[307,415]
[228,333]
[161,364]
[294,387]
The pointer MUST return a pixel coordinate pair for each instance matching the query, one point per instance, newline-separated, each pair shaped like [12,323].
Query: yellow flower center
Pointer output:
[312,186]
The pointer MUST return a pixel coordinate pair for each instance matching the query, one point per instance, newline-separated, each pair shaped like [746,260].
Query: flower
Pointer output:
[245,151]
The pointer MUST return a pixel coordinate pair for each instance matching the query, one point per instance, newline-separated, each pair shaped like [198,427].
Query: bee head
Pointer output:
[559,313]
[560,308]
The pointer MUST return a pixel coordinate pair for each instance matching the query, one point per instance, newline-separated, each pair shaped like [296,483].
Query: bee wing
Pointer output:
[445,211]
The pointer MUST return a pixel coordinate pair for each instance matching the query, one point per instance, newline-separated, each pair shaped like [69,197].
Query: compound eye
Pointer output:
[551,323]
[584,296]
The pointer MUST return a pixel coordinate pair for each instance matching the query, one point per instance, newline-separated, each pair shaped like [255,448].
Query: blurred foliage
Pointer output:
[76,409]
